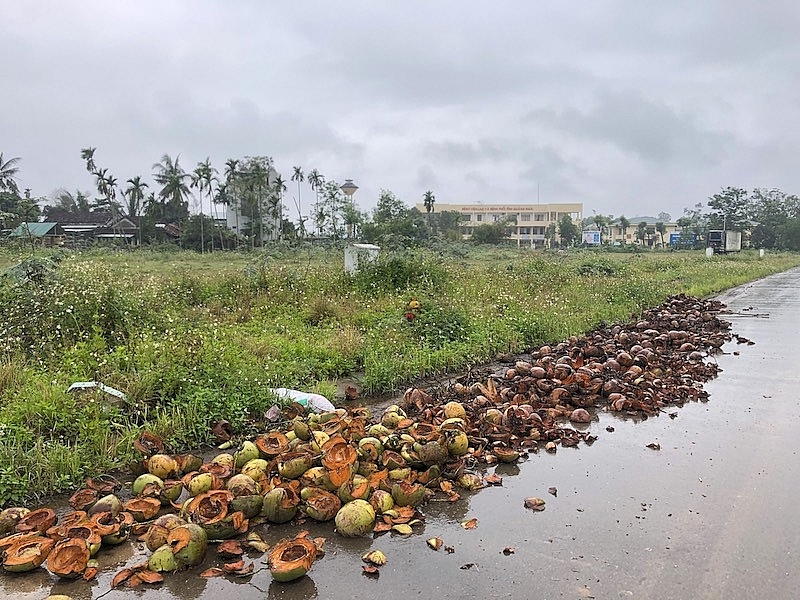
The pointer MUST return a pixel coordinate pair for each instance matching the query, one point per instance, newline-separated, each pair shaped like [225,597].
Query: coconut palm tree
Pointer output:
[276,211]
[317,181]
[202,178]
[428,199]
[661,228]
[641,231]
[624,223]
[227,192]
[87,154]
[174,188]
[299,177]
[8,174]
[134,194]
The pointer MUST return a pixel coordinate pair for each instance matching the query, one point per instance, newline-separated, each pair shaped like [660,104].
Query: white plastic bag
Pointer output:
[316,402]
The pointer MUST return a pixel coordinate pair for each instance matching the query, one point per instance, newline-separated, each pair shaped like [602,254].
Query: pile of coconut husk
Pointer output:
[368,473]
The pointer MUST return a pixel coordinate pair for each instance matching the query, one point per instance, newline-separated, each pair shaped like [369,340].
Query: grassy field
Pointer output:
[192,339]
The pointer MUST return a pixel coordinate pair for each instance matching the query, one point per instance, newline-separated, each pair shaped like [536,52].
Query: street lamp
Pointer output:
[349,188]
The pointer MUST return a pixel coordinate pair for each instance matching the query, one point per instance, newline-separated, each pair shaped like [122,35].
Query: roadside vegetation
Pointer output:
[194,339]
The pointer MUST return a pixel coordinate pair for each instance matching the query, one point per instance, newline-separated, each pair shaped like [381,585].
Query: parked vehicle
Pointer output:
[723,241]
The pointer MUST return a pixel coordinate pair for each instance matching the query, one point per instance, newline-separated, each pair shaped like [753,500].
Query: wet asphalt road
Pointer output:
[712,514]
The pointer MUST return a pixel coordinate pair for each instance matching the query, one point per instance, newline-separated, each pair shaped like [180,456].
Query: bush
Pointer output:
[400,272]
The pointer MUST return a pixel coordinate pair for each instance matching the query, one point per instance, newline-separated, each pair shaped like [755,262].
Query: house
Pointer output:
[44,234]
[527,223]
[96,226]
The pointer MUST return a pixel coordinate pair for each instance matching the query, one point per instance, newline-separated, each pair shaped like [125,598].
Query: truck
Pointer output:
[724,240]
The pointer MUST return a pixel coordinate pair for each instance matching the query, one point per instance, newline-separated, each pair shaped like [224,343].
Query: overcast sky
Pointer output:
[631,107]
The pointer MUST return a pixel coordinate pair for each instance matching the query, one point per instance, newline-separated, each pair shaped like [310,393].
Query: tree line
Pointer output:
[253,191]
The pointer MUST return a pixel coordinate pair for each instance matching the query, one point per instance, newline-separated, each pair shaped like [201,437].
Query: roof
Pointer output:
[37,230]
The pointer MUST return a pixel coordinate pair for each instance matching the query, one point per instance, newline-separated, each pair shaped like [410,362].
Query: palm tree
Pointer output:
[317,181]
[641,231]
[428,199]
[87,154]
[661,228]
[624,223]
[202,178]
[298,176]
[174,189]
[277,211]
[134,194]
[8,174]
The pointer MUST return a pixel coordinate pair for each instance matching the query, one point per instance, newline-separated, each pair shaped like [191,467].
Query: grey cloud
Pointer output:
[652,131]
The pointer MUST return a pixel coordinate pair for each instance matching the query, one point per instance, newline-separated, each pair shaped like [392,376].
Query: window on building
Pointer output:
[466,217]
[524,230]
[479,218]
[525,217]
[540,217]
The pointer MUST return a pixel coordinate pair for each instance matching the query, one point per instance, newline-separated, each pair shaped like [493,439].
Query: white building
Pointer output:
[528,223]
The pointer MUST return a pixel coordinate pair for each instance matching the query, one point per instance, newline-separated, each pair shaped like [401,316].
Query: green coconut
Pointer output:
[188,462]
[370,448]
[455,441]
[355,518]
[294,464]
[10,517]
[392,460]
[110,504]
[242,485]
[246,452]
[391,419]
[173,488]
[200,483]
[163,466]
[123,522]
[250,506]
[408,494]
[256,469]
[321,505]
[506,455]
[317,441]
[379,431]
[158,532]
[231,525]
[493,416]
[163,560]
[399,474]
[291,559]
[318,477]
[365,469]
[454,410]
[149,481]
[432,453]
[280,505]
[381,501]
[188,543]
[68,558]
[301,429]
[356,488]
[470,481]
[27,554]
[226,459]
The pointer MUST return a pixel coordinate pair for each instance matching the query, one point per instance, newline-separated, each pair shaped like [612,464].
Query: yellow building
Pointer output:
[648,235]
[527,222]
